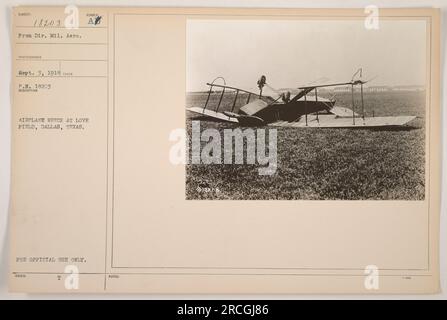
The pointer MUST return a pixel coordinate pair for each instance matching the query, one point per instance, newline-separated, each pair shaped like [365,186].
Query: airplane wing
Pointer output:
[253,107]
[333,121]
[211,114]
[244,120]
[302,93]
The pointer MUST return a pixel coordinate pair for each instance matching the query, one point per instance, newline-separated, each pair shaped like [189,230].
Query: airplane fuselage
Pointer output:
[285,111]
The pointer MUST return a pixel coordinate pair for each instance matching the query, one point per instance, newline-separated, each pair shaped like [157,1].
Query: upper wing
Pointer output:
[302,93]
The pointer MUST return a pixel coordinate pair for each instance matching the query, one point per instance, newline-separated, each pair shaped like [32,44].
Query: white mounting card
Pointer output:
[214,150]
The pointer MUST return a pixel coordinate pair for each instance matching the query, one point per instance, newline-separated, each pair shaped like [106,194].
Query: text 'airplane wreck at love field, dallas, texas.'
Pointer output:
[304,109]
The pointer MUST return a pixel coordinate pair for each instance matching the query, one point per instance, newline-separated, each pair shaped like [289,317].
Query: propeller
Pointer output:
[261,83]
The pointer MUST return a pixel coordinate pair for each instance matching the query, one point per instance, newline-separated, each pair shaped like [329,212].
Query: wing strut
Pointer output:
[306,90]
[353,106]
[211,85]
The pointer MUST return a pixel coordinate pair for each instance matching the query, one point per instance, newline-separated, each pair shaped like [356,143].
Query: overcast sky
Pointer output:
[295,53]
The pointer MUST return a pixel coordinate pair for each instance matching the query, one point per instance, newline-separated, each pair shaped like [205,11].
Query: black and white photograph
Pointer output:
[306,109]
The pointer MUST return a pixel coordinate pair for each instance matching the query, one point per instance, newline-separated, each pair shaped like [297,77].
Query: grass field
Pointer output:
[317,163]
